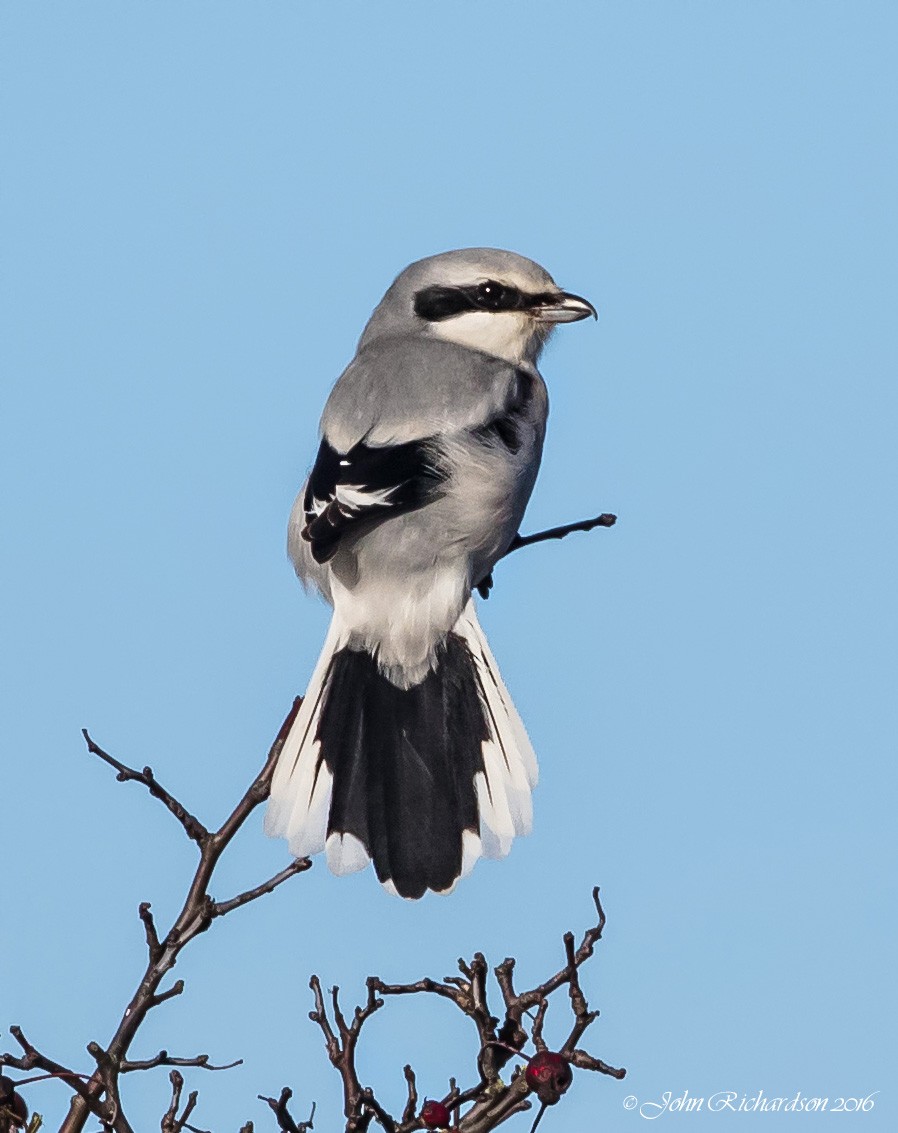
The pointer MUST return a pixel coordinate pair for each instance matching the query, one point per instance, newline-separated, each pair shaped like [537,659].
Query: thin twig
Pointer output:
[583,1017]
[372,1105]
[586,1061]
[33,1059]
[285,1120]
[298,865]
[163,1058]
[193,828]
[411,1106]
[171,1122]
[359,1102]
[603,520]
[536,1028]
[176,989]
[153,946]
[485,585]
[517,1004]
[427,985]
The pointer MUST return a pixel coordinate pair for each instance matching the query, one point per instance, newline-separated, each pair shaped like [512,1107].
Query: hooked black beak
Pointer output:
[562,307]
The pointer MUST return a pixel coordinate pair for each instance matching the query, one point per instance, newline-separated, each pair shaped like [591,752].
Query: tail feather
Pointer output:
[470,628]
[346,854]
[423,780]
[301,787]
[511,769]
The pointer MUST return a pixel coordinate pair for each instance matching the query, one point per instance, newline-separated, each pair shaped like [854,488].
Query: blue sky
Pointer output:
[201,203]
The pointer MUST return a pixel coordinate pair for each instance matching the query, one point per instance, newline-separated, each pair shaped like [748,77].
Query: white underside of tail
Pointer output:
[510,771]
[301,789]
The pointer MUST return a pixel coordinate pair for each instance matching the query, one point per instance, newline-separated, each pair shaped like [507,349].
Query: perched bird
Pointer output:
[407,749]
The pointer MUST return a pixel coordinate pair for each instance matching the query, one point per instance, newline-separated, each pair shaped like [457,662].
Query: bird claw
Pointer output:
[485,585]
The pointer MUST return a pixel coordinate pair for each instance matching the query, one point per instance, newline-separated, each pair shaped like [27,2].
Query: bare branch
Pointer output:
[516,1005]
[153,946]
[373,1106]
[193,828]
[586,1061]
[285,1120]
[456,1098]
[485,585]
[495,1105]
[163,1058]
[176,989]
[491,1100]
[411,1106]
[451,1100]
[359,1102]
[33,1059]
[536,1030]
[583,1017]
[319,1016]
[298,865]
[469,996]
[455,994]
[603,520]
[171,1122]
[196,915]
[504,974]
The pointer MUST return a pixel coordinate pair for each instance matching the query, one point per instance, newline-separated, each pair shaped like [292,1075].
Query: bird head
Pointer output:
[484,299]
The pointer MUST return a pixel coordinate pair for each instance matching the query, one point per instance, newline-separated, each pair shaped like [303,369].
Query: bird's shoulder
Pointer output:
[403,388]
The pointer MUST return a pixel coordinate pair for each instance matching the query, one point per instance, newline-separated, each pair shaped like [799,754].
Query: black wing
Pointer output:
[364,484]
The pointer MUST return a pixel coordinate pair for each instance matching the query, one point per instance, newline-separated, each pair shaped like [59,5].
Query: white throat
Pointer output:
[504,334]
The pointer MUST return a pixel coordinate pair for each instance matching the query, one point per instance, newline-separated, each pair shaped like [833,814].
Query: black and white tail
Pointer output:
[421,781]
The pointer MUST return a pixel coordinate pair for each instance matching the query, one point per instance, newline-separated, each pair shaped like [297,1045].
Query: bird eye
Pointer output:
[493,296]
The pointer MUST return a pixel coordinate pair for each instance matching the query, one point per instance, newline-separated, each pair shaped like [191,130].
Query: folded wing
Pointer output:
[348,491]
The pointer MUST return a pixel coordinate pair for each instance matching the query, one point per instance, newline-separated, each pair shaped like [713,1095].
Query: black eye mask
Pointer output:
[437,303]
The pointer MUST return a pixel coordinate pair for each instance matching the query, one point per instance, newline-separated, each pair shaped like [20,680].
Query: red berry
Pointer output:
[435,1115]
[549,1075]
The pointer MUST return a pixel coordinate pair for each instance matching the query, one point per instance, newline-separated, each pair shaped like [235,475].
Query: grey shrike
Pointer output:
[407,749]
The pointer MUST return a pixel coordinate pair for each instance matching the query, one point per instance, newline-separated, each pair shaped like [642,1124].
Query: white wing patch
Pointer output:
[356,497]
[352,498]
